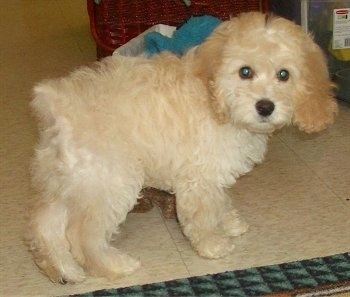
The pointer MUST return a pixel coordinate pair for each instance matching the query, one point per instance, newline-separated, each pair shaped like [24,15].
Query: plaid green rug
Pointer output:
[273,280]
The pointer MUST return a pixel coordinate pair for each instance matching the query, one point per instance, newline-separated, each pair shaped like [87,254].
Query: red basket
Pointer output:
[115,22]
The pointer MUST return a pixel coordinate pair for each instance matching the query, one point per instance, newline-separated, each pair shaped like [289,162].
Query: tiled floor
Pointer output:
[297,202]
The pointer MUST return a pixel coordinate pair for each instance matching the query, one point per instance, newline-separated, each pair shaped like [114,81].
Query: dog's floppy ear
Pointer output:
[208,58]
[314,104]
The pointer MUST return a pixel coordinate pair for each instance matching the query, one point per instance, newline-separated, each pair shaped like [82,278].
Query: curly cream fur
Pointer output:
[188,125]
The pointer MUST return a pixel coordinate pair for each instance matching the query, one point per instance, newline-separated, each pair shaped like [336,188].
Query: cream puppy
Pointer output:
[190,125]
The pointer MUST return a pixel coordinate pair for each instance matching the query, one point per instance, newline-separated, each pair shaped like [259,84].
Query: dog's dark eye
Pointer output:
[246,72]
[283,75]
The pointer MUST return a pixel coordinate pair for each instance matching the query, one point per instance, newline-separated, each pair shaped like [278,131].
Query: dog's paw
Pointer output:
[113,264]
[214,246]
[234,225]
[67,272]
[129,264]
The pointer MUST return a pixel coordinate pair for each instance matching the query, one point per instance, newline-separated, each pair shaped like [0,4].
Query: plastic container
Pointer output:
[342,78]
[329,23]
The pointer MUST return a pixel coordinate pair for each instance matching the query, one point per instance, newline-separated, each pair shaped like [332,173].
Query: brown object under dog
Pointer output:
[164,200]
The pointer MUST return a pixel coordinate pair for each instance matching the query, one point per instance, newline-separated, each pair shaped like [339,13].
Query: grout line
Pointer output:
[174,242]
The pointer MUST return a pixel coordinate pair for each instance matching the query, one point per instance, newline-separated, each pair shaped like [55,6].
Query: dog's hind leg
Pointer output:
[90,232]
[106,191]
[82,204]
[47,241]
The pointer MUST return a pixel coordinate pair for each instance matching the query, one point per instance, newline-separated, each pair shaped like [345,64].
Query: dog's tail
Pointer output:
[43,105]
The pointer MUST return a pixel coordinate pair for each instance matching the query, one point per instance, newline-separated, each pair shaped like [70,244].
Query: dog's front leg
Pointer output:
[203,208]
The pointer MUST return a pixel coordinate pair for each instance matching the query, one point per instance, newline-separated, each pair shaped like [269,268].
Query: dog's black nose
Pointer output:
[265,107]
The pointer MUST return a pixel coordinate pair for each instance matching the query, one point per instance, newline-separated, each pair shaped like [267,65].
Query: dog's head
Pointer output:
[264,72]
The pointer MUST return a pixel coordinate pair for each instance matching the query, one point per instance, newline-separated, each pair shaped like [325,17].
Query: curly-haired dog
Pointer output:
[190,125]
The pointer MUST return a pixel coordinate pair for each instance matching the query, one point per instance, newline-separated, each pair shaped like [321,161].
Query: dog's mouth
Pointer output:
[264,120]
[263,116]
[264,126]
[256,123]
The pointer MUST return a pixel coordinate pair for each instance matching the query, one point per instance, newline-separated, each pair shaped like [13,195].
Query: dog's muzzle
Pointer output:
[265,107]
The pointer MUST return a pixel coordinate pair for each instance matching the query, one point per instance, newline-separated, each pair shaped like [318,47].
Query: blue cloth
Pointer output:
[190,34]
